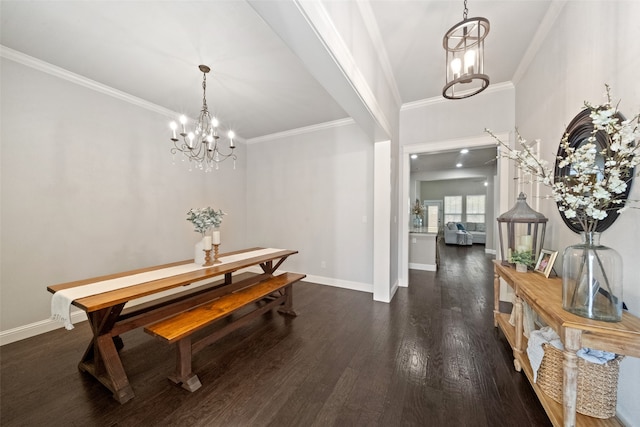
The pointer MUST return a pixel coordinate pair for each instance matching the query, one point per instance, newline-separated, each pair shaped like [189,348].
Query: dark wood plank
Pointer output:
[430,357]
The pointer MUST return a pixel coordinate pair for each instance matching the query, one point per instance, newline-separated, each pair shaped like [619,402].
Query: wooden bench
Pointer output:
[276,290]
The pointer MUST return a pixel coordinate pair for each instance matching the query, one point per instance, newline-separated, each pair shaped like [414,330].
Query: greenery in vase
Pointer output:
[583,198]
[204,219]
[522,257]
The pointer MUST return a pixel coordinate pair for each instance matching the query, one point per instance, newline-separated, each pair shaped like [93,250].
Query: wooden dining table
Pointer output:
[109,316]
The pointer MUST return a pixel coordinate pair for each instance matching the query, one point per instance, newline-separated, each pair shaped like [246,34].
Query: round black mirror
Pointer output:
[579,131]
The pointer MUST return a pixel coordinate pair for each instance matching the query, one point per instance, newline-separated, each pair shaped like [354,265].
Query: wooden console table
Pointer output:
[544,296]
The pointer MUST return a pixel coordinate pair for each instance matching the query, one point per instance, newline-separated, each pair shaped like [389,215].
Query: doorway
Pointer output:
[501,186]
[433,216]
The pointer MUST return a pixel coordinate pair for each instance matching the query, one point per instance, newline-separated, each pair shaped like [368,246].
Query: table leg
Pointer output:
[572,343]
[101,359]
[496,298]
[267,267]
[287,307]
[517,349]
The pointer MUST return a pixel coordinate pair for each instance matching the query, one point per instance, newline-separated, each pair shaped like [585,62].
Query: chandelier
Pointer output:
[464,44]
[201,145]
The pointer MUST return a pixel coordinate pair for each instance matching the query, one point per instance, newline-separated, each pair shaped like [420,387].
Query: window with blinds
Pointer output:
[475,208]
[452,209]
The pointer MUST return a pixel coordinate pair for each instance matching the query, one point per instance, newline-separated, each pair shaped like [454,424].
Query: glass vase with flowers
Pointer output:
[596,185]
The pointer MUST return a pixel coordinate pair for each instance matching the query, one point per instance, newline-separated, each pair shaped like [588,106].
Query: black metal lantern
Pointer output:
[525,230]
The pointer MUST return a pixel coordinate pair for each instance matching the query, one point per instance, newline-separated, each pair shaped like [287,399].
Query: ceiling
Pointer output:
[476,158]
[258,86]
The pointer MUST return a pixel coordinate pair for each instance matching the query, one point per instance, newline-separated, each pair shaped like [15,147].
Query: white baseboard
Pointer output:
[394,289]
[48,325]
[345,284]
[490,251]
[423,267]
[330,281]
[37,328]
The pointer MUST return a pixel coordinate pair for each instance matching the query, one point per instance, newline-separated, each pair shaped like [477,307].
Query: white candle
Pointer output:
[231,135]
[207,243]
[527,241]
[216,237]
[183,122]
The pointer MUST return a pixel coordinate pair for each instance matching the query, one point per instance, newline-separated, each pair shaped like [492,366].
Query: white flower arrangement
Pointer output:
[204,219]
[594,187]
[417,208]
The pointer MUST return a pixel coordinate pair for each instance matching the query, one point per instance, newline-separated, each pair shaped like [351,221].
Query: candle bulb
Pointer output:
[173,126]
[216,237]
[231,135]
[183,122]
[456,64]
[207,243]
[469,61]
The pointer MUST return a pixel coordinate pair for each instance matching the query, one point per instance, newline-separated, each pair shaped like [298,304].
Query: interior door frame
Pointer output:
[500,189]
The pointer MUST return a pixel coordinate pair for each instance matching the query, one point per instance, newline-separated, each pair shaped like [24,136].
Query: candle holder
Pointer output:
[215,254]
[207,257]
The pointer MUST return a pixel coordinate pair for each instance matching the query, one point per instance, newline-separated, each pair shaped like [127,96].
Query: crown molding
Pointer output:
[440,99]
[301,131]
[45,67]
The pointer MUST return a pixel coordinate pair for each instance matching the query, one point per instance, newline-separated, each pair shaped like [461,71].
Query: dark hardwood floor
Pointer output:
[430,358]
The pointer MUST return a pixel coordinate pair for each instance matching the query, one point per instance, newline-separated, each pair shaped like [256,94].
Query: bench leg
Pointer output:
[287,307]
[184,375]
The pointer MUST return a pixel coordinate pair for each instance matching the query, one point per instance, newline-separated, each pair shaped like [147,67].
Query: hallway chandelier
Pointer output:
[464,63]
[201,145]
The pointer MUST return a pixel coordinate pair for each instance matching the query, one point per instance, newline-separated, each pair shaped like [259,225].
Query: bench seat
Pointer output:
[179,328]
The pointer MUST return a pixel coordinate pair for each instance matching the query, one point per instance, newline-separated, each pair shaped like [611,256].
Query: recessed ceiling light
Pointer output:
[414,156]
[464,151]
[486,184]
[459,165]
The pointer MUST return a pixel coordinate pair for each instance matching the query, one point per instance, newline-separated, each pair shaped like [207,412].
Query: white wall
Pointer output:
[591,43]
[314,192]
[442,120]
[89,188]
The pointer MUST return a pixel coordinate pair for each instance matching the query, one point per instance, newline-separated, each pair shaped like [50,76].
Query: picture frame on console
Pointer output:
[545,262]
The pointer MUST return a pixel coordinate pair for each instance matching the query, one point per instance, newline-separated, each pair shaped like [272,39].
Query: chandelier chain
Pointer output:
[466,11]
[204,91]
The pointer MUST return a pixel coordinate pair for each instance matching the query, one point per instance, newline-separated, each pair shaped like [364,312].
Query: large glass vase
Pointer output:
[592,280]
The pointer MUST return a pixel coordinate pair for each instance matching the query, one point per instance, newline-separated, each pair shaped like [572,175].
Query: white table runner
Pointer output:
[61,300]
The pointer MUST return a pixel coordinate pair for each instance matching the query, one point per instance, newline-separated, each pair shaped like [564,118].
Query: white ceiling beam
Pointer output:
[308,30]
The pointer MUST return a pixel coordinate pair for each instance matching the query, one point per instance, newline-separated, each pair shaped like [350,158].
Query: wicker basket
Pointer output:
[597,384]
